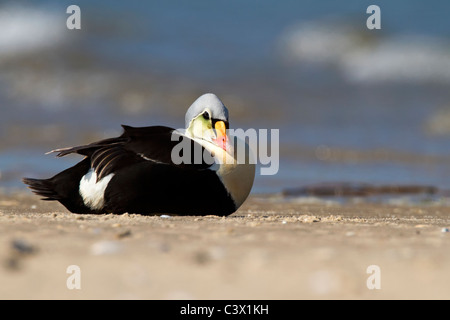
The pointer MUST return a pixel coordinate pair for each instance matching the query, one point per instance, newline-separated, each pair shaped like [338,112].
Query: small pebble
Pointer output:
[105,248]
[123,234]
[163,247]
[22,247]
[202,257]
[96,231]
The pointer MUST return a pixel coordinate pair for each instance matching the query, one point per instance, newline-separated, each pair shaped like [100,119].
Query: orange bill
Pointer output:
[221,132]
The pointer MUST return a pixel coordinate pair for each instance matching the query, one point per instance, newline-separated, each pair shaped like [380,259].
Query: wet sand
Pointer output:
[269,249]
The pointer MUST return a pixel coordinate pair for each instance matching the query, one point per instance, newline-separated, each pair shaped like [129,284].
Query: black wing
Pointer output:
[138,145]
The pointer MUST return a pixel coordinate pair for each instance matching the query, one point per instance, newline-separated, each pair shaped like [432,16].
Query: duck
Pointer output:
[153,170]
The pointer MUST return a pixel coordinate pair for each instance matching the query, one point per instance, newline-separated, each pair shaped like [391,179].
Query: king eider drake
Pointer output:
[140,171]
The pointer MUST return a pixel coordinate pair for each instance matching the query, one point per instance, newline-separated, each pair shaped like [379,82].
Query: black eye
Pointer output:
[206,115]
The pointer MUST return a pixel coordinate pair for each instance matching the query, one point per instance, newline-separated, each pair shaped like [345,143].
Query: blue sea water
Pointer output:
[375,101]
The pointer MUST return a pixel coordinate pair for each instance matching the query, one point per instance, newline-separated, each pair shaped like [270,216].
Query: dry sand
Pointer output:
[269,249]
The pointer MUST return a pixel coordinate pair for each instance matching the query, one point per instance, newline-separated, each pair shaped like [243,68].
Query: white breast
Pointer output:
[93,192]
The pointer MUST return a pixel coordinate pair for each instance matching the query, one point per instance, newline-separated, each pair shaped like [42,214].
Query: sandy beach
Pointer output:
[269,249]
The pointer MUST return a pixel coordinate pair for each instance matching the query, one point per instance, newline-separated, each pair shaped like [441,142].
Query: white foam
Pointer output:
[27,29]
[361,58]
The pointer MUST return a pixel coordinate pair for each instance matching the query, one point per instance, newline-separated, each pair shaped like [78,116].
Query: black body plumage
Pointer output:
[144,179]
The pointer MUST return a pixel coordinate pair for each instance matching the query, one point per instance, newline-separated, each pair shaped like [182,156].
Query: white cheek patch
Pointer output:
[93,192]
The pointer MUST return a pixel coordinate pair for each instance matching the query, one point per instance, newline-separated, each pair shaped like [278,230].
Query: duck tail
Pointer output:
[43,188]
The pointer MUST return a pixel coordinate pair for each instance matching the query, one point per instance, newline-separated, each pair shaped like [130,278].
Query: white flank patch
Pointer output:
[93,192]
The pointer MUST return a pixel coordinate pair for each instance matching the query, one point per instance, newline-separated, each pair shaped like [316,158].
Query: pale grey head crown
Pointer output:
[208,100]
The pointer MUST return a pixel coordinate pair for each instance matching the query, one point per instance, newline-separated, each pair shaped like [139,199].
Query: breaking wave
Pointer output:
[27,29]
[361,56]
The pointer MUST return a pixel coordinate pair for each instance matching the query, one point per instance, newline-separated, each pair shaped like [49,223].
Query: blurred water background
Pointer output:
[353,105]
